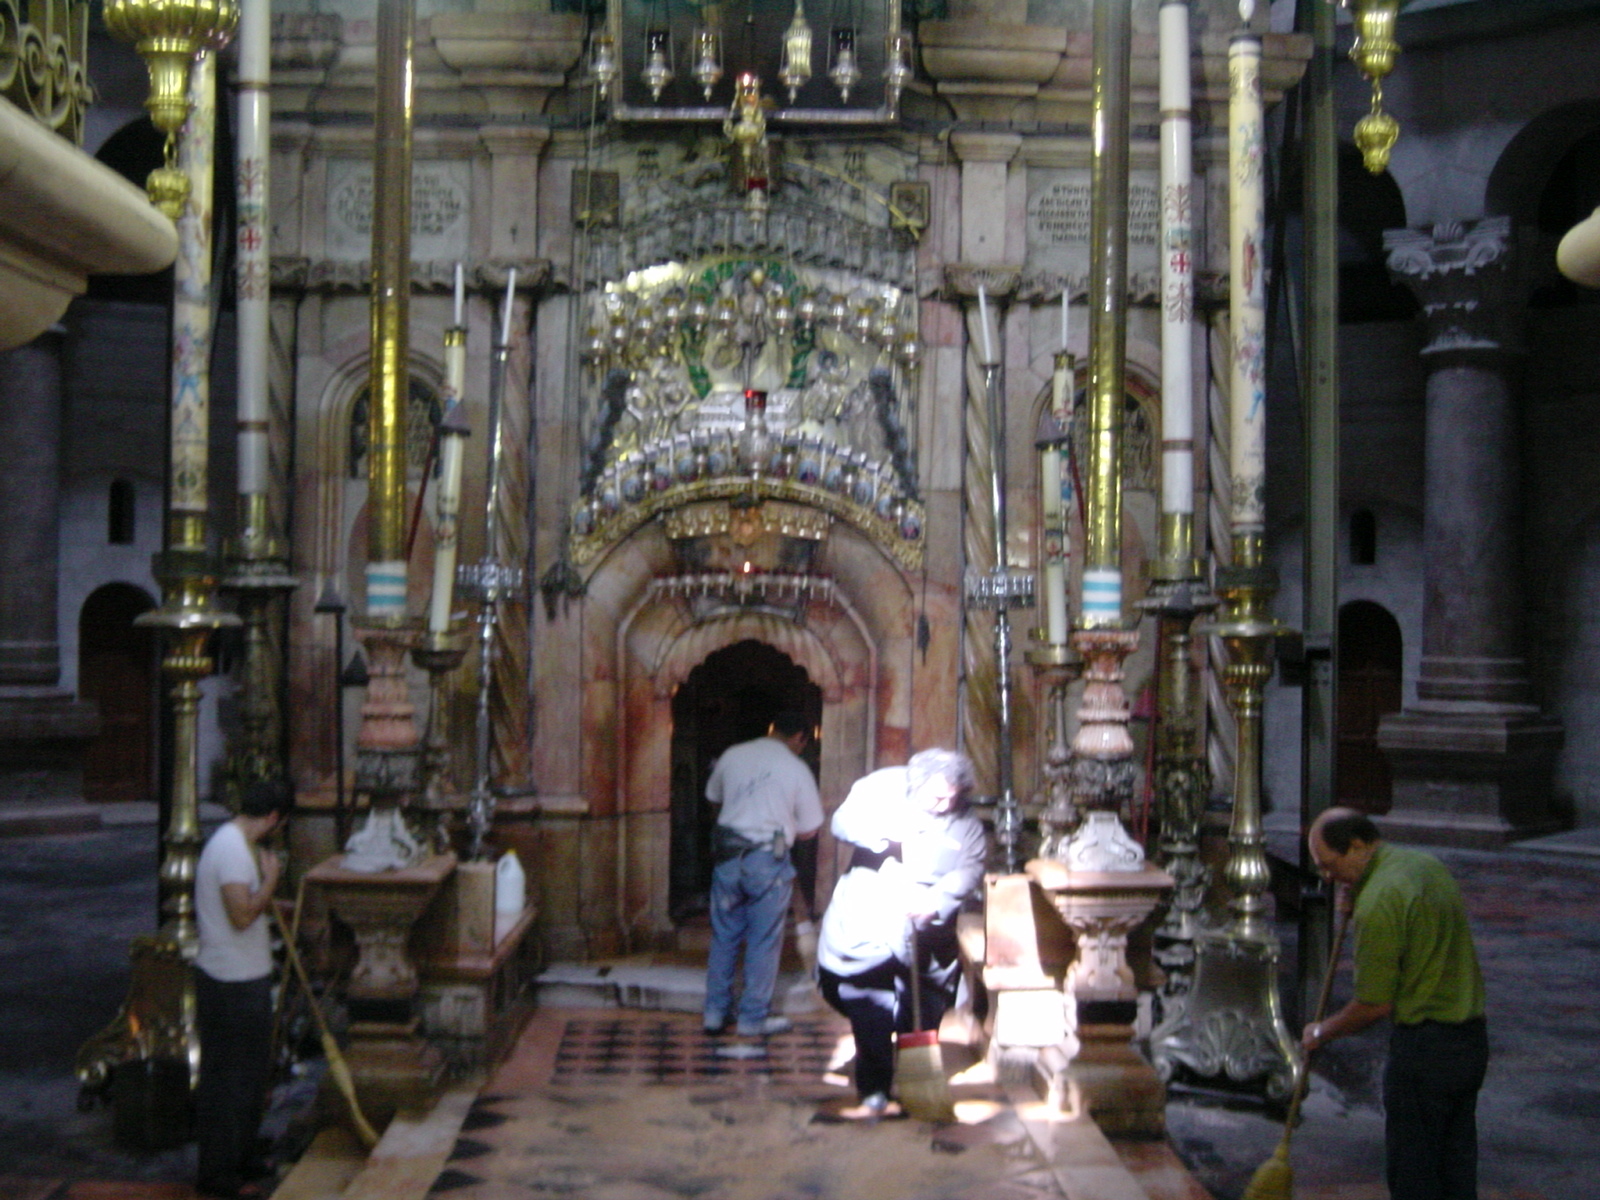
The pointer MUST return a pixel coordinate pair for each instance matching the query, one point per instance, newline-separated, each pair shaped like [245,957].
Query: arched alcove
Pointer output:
[1369,685]
[118,671]
[731,696]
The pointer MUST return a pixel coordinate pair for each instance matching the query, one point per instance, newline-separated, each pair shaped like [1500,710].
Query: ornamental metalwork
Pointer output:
[44,62]
[749,377]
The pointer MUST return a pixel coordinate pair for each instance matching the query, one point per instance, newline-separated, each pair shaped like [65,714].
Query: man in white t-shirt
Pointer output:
[769,804]
[234,884]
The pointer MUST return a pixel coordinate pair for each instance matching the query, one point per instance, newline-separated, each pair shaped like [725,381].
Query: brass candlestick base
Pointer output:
[1057,666]
[1181,783]
[1232,1026]
[439,653]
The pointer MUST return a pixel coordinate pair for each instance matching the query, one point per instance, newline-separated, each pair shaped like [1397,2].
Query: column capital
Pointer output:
[998,280]
[973,147]
[1467,277]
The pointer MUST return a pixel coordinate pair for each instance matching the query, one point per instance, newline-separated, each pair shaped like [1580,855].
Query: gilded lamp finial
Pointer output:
[169,35]
[1374,52]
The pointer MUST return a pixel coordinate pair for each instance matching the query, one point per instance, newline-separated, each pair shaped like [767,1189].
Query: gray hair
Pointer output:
[954,767]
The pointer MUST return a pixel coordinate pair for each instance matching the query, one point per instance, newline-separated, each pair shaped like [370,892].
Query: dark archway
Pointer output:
[1370,658]
[117,669]
[730,697]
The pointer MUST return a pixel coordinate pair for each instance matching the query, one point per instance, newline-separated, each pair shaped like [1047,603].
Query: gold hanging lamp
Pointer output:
[796,68]
[1374,52]
[169,35]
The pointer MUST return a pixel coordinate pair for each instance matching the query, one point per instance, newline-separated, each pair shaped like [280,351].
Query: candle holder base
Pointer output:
[1229,1030]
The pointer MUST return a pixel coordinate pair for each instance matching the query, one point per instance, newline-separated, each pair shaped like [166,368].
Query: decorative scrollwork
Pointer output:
[44,62]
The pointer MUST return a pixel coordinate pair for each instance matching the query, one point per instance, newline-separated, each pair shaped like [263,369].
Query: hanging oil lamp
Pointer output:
[657,71]
[845,71]
[796,68]
[707,58]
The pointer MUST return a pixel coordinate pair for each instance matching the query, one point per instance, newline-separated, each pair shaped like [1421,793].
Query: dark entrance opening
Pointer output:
[117,669]
[1369,686]
[731,697]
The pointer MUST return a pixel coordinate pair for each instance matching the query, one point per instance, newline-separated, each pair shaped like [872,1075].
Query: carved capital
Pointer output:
[1468,280]
[998,280]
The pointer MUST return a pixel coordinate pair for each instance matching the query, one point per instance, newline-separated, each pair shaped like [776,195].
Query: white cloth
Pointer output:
[227,954]
[765,788]
[940,865]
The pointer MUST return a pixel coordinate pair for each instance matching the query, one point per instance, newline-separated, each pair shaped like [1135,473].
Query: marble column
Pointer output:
[1473,757]
[42,729]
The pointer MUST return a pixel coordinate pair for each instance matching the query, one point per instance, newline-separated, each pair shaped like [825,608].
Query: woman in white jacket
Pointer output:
[917,855]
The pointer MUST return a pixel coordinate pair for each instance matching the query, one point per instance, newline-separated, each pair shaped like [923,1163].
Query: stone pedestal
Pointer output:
[1026,953]
[1464,778]
[392,1066]
[1115,1085]
[1473,759]
[476,966]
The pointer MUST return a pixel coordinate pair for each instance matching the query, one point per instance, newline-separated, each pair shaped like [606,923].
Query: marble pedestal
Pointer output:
[392,1065]
[1108,1078]
[1468,777]
[477,966]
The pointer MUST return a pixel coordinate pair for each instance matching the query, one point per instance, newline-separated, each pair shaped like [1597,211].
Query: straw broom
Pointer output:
[1274,1179]
[918,1066]
[337,1067]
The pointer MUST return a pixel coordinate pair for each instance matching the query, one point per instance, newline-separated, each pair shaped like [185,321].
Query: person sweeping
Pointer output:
[1415,965]
[917,855]
[235,881]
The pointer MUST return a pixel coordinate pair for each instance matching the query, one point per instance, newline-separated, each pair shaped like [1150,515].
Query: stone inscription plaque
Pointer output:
[1059,215]
[441,194]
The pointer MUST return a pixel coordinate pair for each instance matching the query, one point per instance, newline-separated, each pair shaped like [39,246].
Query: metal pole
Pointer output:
[1319,697]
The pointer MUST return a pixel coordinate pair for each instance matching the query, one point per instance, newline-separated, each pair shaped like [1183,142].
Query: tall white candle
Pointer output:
[252,252]
[1247,402]
[1066,317]
[1177,268]
[447,505]
[461,297]
[511,298]
[455,363]
[989,359]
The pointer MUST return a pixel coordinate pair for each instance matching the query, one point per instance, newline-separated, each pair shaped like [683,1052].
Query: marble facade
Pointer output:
[996,129]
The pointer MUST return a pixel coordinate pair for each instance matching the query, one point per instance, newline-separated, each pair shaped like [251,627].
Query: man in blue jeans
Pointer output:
[769,803]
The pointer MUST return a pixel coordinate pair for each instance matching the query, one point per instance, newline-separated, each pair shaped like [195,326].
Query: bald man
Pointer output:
[1415,963]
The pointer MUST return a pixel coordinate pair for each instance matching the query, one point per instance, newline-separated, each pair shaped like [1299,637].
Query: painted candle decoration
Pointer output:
[1177,264]
[1054,506]
[447,507]
[252,251]
[1247,406]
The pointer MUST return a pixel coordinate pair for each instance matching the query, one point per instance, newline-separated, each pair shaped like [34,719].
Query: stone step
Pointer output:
[657,987]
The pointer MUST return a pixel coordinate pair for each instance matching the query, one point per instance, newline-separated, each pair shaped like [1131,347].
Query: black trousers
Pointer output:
[1430,1098]
[235,1026]
[877,1003]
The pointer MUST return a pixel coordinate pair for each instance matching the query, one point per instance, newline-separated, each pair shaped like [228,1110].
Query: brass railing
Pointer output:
[44,62]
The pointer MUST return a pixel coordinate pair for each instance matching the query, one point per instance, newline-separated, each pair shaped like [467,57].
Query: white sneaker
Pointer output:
[766,1028]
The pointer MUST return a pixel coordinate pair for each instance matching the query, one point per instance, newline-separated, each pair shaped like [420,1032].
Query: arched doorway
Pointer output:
[730,697]
[1369,685]
[117,670]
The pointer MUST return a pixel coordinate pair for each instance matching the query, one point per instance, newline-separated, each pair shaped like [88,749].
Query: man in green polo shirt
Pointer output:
[1415,963]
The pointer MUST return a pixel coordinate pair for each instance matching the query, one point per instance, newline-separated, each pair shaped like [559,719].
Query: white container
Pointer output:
[510,893]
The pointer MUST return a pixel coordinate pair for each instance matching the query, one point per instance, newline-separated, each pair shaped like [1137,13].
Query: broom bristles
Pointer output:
[1274,1179]
[919,1078]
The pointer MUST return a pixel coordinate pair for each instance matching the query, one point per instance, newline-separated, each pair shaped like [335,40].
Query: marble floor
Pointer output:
[587,1089]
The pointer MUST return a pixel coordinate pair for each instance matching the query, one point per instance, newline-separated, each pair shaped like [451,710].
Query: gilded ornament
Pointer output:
[169,35]
[1374,52]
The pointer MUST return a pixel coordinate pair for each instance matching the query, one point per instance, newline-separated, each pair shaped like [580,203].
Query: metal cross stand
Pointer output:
[1002,590]
[488,581]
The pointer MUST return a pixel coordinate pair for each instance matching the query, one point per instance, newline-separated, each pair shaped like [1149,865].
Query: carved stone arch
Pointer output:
[695,644]
[1141,426]
[331,528]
